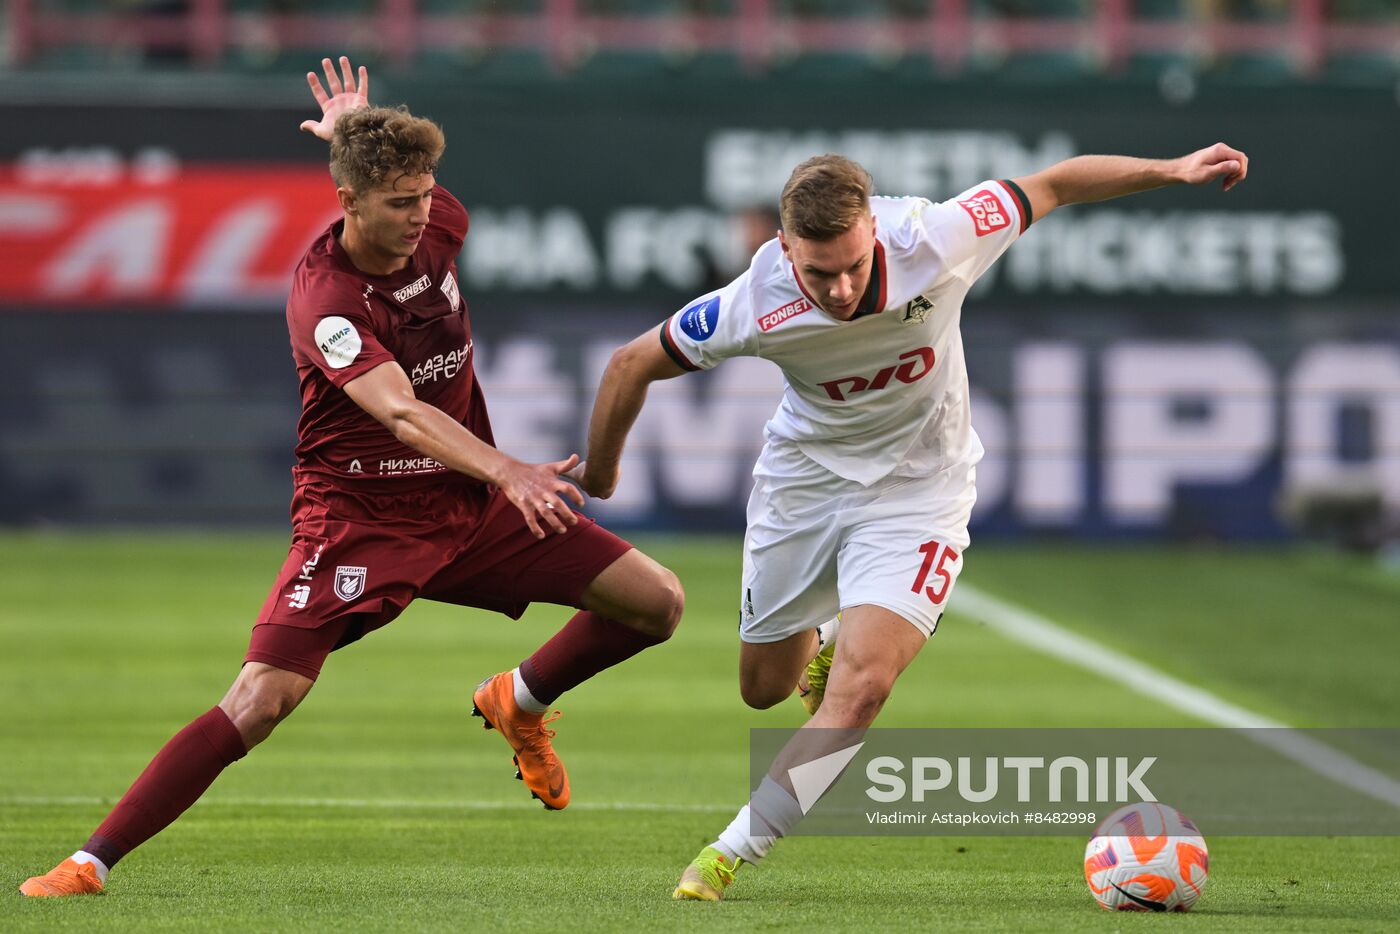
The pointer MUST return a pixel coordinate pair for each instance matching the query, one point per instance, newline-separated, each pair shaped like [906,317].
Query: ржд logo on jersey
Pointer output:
[986,211]
[917,364]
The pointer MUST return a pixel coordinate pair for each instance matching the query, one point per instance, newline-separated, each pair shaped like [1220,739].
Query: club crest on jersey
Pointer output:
[917,311]
[699,320]
[449,288]
[349,582]
[413,288]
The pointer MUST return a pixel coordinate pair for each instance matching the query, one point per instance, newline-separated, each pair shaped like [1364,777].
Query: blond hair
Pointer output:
[825,197]
[373,144]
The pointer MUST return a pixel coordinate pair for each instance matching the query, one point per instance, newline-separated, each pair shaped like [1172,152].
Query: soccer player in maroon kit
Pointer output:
[399,492]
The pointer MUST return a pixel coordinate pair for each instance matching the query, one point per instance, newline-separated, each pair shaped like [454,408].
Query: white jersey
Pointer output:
[886,392]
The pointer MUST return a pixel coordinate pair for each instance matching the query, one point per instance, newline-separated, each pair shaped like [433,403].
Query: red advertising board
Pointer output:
[225,236]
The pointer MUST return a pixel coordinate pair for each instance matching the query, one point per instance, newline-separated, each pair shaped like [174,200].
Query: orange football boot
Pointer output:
[535,761]
[67,878]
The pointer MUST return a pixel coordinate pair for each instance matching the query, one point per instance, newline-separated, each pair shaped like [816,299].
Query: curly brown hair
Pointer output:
[824,197]
[373,144]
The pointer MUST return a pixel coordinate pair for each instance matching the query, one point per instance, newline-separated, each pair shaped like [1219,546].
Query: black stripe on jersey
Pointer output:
[672,350]
[873,301]
[1023,202]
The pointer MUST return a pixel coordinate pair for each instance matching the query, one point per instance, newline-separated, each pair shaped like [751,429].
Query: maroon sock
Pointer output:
[586,645]
[176,777]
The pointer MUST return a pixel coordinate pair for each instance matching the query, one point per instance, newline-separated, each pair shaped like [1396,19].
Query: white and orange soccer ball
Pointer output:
[1146,857]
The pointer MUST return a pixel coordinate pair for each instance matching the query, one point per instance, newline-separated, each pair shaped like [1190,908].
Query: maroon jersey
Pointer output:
[344,323]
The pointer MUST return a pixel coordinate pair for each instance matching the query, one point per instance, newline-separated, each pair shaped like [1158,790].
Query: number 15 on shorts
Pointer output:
[937,557]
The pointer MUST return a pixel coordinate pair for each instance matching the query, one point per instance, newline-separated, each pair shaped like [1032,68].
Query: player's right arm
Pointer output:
[710,329]
[631,370]
[537,490]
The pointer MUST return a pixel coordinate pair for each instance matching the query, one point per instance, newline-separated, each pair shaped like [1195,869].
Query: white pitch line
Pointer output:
[378,803]
[1050,638]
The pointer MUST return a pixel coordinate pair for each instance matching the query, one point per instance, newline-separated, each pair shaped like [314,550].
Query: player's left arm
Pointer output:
[1099,178]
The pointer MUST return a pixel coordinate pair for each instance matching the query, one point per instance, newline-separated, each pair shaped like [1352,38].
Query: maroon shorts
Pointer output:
[359,558]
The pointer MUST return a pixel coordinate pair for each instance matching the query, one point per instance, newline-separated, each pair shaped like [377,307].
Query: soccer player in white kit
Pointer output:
[865,485]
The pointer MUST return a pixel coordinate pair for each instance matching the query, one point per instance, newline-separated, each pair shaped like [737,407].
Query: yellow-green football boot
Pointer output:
[811,684]
[707,876]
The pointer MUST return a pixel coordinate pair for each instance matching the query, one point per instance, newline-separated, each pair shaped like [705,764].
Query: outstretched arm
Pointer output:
[342,98]
[537,490]
[1098,178]
[631,370]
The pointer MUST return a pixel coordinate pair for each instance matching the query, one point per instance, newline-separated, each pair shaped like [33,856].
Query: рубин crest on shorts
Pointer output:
[349,582]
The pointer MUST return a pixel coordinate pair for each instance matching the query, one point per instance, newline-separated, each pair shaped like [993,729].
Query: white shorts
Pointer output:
[818,543]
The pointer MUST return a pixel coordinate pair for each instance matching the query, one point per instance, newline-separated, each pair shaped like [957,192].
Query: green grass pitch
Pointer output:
[381,805]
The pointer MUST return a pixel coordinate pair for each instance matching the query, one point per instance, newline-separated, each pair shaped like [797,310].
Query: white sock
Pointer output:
[771,813]
[826,632]
[523,698]
[82,856]
[728,853]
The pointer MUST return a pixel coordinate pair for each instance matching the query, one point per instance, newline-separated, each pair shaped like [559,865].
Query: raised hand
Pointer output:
[1218,161]
[539,492]
[342,98]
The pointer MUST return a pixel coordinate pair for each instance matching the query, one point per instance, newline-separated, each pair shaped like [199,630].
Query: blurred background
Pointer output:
[1183,365]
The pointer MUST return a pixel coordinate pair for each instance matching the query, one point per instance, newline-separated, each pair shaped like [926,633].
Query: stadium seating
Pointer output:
[1247,41]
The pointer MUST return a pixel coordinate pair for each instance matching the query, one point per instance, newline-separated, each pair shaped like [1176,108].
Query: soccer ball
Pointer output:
[1146,857]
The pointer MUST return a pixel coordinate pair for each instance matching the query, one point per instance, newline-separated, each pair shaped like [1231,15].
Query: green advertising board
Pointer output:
[615,191]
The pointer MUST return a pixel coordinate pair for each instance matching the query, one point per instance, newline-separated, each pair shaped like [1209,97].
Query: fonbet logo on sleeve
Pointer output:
[699,320]
[986,212]
[338,340]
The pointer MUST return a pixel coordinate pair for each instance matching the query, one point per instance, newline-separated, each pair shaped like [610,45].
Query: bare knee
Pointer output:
[769,671]
[638,593]
[672,604]
[256,713]
[262,698]
[761,695]
[663,607]
[857,703]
